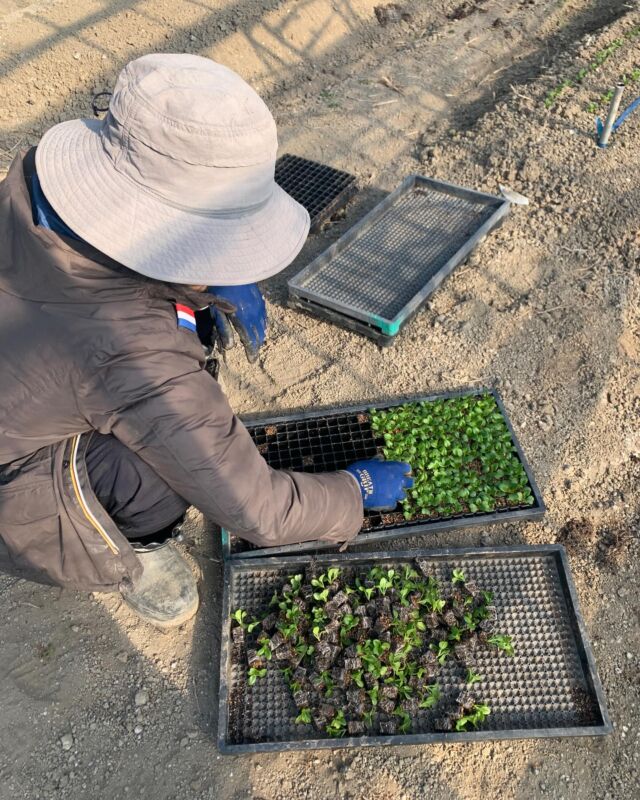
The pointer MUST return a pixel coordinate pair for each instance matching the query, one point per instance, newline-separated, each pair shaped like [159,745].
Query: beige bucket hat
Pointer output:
[177,181]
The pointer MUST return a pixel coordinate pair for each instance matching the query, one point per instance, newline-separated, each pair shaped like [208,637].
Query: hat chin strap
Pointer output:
[195,188]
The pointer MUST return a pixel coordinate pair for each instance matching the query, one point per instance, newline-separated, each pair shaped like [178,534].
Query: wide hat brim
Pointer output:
[143,232]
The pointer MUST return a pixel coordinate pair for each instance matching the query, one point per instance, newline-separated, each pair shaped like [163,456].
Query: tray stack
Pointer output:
[381,271]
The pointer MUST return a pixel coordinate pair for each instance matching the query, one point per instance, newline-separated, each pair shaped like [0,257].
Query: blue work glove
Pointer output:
[249,318]
[383,484]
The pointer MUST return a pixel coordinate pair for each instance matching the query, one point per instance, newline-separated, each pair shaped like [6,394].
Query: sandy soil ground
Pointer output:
[547,310]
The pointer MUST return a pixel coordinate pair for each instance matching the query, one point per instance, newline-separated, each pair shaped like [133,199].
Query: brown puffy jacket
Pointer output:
[87,345]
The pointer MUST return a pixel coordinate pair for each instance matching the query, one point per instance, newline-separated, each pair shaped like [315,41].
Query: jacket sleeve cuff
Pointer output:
[347,496]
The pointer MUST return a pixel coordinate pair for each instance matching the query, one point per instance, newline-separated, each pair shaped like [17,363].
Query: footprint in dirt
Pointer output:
[35,675]
[607,546]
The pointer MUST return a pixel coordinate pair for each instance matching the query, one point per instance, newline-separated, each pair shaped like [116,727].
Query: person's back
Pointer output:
[66,310]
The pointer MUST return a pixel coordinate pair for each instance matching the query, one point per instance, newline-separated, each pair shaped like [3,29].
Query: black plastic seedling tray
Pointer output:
[322,190]
[549,688]
[331,439]
[379,273]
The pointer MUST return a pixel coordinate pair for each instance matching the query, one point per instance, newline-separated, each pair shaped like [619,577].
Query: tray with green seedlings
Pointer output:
[461,453]
[467,464]
[402,648]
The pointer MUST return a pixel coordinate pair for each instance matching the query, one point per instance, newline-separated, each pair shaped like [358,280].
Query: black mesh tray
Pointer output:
[379,273]
[331,439]
[322,190]
[549,688]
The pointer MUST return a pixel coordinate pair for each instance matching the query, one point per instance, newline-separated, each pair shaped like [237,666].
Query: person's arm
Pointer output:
[177,419]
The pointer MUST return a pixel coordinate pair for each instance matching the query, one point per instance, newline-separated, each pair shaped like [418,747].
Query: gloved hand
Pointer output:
[249,318]
[383,484]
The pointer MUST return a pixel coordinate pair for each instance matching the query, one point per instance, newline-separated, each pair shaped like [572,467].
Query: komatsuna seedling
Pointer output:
[461,453]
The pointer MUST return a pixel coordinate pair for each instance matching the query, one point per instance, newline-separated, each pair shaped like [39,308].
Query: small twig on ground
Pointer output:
[390,84]
[517,93]
[481,50]
[548,310]
[195,694]
[384,103]
[572,249]
[11,149]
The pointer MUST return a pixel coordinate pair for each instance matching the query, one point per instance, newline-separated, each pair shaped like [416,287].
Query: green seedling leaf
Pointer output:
[458,576]
[455,634]
[431,696]
[338,725]
[478,714]
[240,616]
[405,720]
[502,642]
[472,677]
[254,674]
[265,651]
[304,717]
[357,678]
[442,650]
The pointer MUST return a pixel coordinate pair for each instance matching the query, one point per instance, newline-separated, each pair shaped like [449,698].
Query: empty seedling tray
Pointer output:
[322,190]
[549,688]
[379,273]
[328,440]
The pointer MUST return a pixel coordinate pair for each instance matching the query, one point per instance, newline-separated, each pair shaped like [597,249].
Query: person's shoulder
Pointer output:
[146,327]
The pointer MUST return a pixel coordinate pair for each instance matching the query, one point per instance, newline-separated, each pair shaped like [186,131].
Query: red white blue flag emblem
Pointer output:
[186,317]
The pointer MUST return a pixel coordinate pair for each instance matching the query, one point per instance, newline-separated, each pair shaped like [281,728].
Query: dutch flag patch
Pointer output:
[186,317]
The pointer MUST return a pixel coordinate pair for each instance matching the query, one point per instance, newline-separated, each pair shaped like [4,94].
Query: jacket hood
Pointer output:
[39,265]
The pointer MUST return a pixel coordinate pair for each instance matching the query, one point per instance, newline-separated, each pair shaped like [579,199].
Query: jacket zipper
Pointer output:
[75,479]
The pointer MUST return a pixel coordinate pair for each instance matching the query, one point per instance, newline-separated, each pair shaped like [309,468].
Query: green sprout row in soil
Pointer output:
[598,60]
[628,79]
[461,453]
[362,652]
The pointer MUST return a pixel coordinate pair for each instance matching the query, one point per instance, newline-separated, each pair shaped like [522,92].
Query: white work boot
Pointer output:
[166,595]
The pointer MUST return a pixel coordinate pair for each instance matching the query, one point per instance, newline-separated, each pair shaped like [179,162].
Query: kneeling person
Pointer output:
[128,244]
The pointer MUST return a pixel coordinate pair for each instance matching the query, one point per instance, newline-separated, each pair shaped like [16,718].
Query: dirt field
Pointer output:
[547,310]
